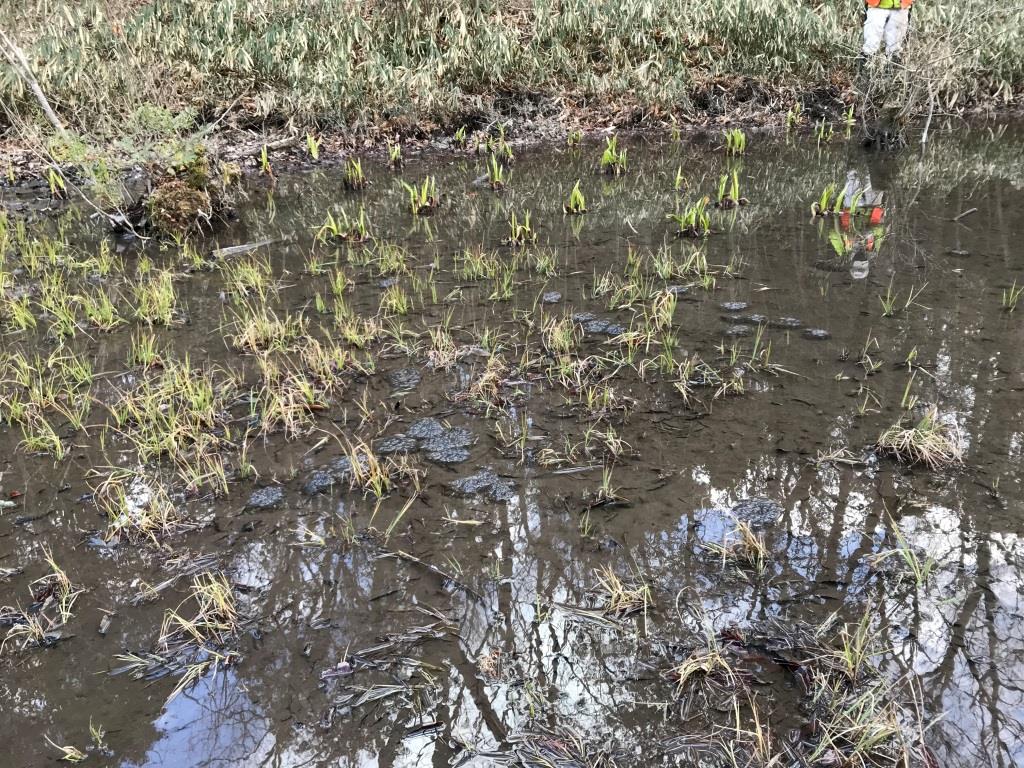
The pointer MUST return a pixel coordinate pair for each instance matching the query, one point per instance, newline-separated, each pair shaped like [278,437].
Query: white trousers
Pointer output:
[884,24]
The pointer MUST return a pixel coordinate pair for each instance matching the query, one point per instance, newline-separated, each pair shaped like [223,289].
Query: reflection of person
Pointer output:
[887,20]
[859,199]
[860,195]
[860,262]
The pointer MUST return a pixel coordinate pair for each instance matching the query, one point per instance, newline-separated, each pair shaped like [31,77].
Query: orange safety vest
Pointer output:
[890,5]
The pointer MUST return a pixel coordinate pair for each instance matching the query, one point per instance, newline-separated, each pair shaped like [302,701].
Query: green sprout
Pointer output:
[577,204]
[613,161]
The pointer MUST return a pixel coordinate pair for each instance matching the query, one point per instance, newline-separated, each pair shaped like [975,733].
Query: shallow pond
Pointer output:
[649,452]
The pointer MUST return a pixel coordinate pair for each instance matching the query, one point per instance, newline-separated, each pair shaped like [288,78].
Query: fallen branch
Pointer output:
[19,63]
[250,150]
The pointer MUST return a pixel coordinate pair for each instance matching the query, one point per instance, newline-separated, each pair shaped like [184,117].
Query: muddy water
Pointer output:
[482,604]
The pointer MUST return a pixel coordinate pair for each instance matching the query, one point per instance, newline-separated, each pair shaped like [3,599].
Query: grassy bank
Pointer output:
[131,72]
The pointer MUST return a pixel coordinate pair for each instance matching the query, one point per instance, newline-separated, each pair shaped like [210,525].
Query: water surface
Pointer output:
[506,652]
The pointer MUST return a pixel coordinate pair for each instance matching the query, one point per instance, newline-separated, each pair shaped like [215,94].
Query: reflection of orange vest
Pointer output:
[874,218]
[890,5]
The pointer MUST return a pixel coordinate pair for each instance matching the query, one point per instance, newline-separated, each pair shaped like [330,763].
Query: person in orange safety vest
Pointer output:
[887,20]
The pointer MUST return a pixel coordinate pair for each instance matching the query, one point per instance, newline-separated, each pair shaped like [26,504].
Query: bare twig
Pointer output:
[931,111]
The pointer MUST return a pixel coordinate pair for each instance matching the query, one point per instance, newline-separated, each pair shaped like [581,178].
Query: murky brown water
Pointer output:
[507,653]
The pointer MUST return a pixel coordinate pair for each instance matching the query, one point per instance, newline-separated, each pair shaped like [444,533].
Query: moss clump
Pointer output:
[175,206]
[190,195]
[197,171]
[230,174]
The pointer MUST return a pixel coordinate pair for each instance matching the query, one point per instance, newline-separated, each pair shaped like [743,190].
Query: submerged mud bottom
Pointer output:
[607,496]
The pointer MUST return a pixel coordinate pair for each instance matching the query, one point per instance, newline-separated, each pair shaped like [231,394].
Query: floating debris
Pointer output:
[596,325]
[421,429]
[265,498]
[752,319]
[734,306]
[405,379]
[395,444]
[319,481]
[485,482]
[758,512]
[816,334]
[450,446]
[791,323]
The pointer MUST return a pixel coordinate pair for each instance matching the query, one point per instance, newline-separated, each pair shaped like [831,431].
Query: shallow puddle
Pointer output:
[573,512]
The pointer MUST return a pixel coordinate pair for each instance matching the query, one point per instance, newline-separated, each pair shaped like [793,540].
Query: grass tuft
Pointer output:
[622,599]
[932,440]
